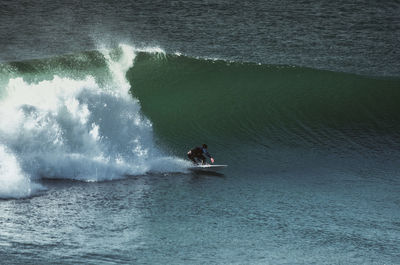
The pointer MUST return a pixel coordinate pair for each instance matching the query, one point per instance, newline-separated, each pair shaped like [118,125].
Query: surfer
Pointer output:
[198,153]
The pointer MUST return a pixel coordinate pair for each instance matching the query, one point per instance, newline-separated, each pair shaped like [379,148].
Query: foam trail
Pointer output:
[75,129]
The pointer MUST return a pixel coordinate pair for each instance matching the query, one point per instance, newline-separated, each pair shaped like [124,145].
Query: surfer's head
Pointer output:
[205,146]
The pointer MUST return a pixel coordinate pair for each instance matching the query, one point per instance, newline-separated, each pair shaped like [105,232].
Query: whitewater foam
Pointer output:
[13,182]
[75,129]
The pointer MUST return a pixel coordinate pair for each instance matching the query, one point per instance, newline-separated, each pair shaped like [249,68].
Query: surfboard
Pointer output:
[208,167]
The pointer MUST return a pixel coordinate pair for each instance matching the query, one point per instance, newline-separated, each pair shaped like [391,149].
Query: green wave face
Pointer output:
[245,106]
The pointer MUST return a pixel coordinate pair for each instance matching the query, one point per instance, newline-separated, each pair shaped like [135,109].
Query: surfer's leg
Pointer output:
[203,159]
[191,157]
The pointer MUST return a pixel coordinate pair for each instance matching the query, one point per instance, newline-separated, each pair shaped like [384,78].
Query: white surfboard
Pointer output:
[208,167]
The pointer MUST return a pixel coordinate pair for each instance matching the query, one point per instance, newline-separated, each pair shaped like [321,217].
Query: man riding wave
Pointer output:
[198,153]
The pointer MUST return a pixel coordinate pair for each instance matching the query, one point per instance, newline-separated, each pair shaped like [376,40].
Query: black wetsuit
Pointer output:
[198,153]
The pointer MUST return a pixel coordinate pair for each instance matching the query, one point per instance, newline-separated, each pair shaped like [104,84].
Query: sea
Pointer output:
[100,101]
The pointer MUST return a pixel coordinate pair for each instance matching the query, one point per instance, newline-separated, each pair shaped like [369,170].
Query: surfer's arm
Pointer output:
[208,154]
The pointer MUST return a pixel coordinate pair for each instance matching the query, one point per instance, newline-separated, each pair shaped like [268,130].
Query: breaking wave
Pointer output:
[73,117]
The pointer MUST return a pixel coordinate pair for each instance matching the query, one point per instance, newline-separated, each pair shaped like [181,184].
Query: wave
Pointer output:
[102,115]
[73,117]
[248,108]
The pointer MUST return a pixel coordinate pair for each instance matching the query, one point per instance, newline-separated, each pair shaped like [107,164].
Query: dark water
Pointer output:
[100,101]
[358,36]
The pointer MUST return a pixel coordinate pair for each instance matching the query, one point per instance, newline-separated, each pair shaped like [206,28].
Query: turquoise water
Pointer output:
[99,103]
[279,217]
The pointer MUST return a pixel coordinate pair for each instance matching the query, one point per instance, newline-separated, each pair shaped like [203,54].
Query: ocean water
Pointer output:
[100,101]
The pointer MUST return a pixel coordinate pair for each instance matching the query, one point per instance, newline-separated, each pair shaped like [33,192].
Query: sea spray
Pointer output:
[74,128]
[14,183]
